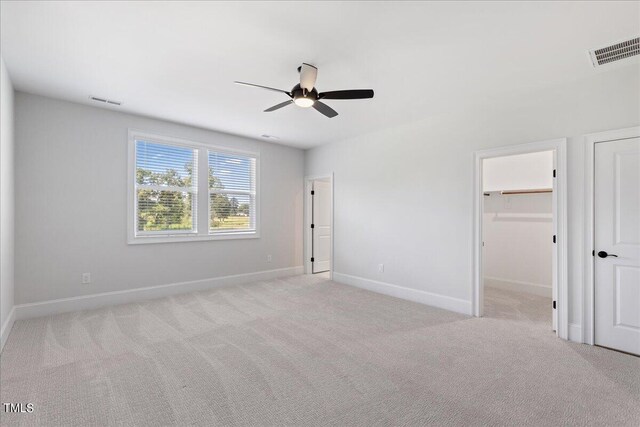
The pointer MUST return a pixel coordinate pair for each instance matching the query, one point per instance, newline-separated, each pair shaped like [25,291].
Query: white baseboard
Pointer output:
[422,297]
[88,302]
[6,327]
[575,333]
[515,285]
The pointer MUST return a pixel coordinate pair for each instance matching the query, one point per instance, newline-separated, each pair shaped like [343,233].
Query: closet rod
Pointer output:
[532,191]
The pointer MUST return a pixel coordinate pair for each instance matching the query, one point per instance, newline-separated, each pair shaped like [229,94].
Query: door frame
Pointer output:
[307,221]
[588,296]
[559,146]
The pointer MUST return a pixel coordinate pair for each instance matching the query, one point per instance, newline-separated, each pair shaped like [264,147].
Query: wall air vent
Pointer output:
[105,101]
[615,52]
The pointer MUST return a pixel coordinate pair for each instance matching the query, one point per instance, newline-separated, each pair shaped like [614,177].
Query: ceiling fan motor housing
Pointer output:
[297,92]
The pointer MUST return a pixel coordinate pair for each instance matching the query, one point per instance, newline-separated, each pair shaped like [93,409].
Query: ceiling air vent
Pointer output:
[106,101]
[616,52]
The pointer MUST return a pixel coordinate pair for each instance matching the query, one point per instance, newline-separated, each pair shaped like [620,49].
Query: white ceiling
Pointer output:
[178,61]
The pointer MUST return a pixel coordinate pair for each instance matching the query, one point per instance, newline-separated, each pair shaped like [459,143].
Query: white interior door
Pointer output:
[321,231]
[617,244]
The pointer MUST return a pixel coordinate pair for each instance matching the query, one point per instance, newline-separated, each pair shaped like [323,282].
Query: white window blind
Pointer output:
[232,192]
[166,188]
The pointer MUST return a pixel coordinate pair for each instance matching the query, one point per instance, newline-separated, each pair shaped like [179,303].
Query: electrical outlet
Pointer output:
[86,278]
[380,268]
[268,258]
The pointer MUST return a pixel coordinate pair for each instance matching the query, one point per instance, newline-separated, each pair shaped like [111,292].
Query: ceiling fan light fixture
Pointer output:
[303,102]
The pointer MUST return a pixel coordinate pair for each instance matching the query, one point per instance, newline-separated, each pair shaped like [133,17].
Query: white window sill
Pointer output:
[150,239]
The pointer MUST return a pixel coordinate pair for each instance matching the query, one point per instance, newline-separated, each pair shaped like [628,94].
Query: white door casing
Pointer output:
[617,232]
[321,232]
[560,264]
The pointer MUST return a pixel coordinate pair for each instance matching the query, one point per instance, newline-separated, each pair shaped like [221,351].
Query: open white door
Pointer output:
[554,247]
[321,226]
[617,244]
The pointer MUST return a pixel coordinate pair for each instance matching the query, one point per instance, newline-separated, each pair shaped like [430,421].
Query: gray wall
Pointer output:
[7,200]
[517,248]
[403,196]
[71,206]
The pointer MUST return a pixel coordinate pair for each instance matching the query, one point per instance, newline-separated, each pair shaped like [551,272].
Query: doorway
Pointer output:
[517,238]
[612,297]
[319,226]
[524,221]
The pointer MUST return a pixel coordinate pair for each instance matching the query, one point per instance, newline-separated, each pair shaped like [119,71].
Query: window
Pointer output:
[184,191]
[166,188]
[232,192]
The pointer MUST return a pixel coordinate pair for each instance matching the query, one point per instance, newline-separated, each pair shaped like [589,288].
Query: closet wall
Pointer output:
[518,228]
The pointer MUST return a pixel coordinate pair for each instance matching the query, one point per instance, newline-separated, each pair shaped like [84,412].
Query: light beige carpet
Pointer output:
[306,351]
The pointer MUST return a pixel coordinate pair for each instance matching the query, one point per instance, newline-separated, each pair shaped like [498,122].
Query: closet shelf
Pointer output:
[529,191]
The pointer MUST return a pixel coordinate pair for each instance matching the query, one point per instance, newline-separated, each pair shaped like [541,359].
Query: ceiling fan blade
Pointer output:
[308,75]
[279,106]
[264,87]
[325,109]
[347,94]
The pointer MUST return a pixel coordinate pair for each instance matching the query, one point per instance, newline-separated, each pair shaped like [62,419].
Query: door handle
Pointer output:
[603,254]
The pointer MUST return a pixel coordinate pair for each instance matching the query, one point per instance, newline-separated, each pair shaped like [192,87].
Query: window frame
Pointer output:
[252,194]
[202,227]
[195,190]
